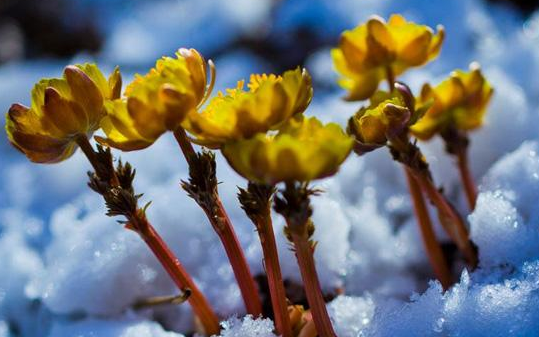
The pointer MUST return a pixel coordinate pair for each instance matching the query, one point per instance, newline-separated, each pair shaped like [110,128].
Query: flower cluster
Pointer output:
[263,131]
[377,51]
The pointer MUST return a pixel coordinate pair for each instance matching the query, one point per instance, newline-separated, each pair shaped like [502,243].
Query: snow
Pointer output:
[504,224]
[351,315]
[68,270]
[127,327]
[247,327]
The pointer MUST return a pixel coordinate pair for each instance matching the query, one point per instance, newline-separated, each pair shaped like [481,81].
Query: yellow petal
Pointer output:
[85,92]
[397,20]
[91,71]
[436,42]
[416,52]
[377,29]
[373,130]
[67,116]
[362,87]
[120,130]
[197,69]
[147,121]
[115,84]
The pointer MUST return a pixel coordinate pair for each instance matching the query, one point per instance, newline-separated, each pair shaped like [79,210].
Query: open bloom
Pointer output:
[377,50]
[158,101]
[459,101]
[61,110]
[270,101]
[302,150]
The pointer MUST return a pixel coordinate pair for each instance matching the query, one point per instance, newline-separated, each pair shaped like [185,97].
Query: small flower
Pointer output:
[270,101]
[158,101]
[62,109]
[373,126]
[368,52]
[302,150]
[460,102]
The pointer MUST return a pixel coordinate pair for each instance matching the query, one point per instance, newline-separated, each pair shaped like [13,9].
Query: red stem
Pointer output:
[249,291]
[168,260]
[223,226]
[181,278]
[304,255]
[467,178]
[449,218]
[432,247]
[275,280]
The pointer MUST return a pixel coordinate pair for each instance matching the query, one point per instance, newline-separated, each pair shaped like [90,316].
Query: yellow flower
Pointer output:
[459,101]
[302,150]
[61,110]
[270,101]
[368,52]
[157,102]
[385,117]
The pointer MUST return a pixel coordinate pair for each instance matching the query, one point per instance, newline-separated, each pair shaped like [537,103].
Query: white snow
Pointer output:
[247,327]
[127,327]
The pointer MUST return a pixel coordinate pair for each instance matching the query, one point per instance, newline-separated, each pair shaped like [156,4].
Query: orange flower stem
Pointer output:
[304,254]
[180,276]
[168,260]
[275,280]
[449,218]
[467,179]
[248,288]
[456,144]
[432,247]
[223,226]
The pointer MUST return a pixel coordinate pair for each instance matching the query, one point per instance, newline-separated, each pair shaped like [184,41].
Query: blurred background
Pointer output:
[38,38]
[39,204]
